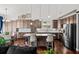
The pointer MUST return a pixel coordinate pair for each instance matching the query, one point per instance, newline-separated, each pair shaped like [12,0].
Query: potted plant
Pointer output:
[2,41]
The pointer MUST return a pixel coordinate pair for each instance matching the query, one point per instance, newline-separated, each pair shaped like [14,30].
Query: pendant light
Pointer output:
[6,19]
[31,16]
[31,11]
[48,13]
[6,13]
[40,13]
[33,35]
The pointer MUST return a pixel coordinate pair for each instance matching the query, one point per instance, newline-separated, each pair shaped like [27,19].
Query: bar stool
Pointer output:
[33,40]
[49,41]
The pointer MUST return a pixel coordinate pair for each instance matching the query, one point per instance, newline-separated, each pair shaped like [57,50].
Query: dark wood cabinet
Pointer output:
[55,23]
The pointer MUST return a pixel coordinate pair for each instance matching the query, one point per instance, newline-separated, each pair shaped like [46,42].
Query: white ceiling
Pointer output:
[38,11]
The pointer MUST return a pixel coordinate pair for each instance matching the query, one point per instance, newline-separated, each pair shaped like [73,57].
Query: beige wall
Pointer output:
[11,26]
[23,23]
[67,20]
[7,27]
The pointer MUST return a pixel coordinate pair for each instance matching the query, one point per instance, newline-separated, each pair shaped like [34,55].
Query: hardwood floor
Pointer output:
[60,49]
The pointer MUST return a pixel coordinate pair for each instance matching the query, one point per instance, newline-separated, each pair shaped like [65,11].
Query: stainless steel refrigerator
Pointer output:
[69,36]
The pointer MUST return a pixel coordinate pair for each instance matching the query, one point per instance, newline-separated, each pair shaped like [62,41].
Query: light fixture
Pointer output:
[6,14]
[48,13]
[40,13]
[6,17]
[31,12]
[49,16]
[31,23]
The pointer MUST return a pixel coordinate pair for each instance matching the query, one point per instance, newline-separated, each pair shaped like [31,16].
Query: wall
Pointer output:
[67,20]
[11,26]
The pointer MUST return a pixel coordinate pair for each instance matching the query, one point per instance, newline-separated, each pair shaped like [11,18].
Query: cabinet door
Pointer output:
[55,23]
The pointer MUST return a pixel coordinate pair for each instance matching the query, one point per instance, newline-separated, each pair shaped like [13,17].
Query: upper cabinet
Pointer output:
[55,24]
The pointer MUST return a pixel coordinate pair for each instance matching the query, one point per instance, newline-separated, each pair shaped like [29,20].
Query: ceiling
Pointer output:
[37,10]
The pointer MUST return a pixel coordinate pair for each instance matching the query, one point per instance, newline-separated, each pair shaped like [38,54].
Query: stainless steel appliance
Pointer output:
[69,36]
